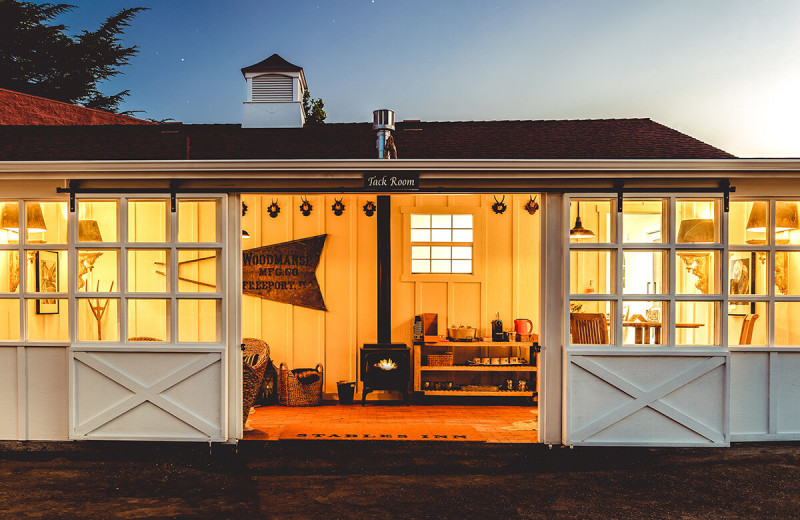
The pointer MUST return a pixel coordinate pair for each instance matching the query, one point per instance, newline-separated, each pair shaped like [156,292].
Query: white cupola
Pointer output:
[274,94]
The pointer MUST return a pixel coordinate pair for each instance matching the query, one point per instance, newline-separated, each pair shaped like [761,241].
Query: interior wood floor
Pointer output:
[381,420]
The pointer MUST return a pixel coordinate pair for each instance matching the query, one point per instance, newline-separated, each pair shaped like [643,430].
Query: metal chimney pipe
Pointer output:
[383,122]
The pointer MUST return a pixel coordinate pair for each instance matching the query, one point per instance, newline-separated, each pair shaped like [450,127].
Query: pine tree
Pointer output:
[37,57]
[314,109]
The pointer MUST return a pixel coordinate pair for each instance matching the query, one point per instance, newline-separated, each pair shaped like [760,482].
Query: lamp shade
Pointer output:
[757,221]
[89,231]
[696,231]
[578,231]
[33,213]
[786,217]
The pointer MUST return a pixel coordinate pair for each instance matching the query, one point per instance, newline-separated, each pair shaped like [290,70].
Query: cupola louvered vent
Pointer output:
[274,88]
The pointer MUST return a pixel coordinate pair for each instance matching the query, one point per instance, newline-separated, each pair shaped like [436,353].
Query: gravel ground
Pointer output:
[337,479]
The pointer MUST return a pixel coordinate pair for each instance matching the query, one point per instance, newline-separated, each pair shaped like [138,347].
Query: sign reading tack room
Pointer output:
[398,181]
[285,272]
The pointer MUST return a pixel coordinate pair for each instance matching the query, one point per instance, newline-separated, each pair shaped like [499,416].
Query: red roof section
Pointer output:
[565,139]
[17,108]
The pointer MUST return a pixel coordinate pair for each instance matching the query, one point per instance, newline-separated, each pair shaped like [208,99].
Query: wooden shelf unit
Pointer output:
[486,347]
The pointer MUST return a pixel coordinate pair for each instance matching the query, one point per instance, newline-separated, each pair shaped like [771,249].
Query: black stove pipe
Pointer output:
[384,270]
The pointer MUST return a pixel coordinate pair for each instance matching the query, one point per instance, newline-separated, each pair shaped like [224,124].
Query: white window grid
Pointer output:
[68,292]
[771,297]
[668,298]
[442,243]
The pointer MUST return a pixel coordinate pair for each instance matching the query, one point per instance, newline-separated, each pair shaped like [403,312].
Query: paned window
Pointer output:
[116,270]
[763,283]
[441,243]
[157,273]
[648,275]
[33,253]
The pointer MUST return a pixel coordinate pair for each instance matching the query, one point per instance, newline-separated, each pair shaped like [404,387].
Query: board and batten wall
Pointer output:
[506,277]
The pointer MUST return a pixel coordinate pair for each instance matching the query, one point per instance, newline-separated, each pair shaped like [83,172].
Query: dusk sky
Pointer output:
[724,71]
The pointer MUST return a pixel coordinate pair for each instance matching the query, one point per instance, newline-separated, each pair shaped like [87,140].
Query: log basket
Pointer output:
[294,392]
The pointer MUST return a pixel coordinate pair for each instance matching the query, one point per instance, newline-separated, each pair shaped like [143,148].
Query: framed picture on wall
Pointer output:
[47,281]
[740,276]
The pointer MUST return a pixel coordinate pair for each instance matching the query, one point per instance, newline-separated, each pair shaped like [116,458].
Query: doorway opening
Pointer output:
[461,258]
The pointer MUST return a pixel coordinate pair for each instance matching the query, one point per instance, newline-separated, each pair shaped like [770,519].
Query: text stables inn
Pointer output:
[606,282]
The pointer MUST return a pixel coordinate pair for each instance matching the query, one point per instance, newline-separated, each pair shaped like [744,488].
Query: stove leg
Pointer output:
[364,396]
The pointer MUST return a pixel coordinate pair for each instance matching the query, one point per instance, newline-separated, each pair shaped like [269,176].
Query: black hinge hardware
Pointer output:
[73,185]
[173,203]
[619,185]
[727,189]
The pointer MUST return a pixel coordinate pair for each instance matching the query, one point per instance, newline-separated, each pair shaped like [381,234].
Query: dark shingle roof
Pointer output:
[272,64]
[562,139]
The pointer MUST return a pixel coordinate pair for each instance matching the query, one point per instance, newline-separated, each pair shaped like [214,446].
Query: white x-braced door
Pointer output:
[645,356]
[148,318]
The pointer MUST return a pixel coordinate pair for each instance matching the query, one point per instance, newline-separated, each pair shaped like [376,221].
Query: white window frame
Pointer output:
[669,297]
[123,295]
[771,298]
[23,295]
[478,241]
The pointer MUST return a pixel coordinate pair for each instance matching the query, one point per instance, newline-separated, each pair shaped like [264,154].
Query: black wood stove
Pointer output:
[385,366]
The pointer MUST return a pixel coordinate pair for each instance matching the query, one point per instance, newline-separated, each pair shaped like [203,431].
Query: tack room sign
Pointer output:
[398,181]
[285,272]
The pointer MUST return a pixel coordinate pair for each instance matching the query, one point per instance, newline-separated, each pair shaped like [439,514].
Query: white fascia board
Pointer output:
[430,168]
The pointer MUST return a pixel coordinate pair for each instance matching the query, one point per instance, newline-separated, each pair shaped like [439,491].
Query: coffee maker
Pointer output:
[497,329]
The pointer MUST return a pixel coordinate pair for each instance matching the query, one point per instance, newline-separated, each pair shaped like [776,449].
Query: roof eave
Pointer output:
[433,168]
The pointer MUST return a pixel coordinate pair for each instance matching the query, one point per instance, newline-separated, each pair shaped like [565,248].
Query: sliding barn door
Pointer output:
[148,310]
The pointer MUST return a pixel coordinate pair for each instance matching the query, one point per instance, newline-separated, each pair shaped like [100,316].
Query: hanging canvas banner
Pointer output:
[285,272]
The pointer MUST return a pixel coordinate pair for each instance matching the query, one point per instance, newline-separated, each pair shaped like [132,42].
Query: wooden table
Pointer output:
[642,330]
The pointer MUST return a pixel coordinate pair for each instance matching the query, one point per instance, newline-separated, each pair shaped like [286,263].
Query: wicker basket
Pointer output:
[253,375]
[291,392]
[440,360]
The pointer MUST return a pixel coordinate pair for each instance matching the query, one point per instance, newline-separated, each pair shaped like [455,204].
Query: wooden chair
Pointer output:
[588,328]
[746,336]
